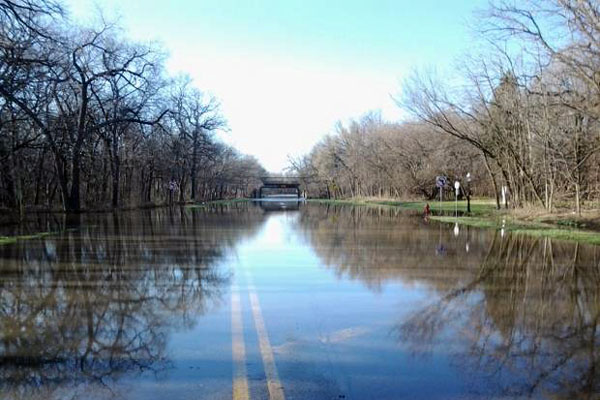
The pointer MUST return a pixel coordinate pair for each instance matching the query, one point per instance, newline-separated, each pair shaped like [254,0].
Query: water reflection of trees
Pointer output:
[88,306]
[377,245]
[519,313]
[538,318]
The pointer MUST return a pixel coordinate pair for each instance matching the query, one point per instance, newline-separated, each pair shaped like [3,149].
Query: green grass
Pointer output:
[339,202]
[478,207]
[8,239]
[565,234]
[485,215]
[527,228]
[14,239]
[571,223]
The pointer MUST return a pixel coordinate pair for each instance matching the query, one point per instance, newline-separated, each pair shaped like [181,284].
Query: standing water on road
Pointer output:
[312,301]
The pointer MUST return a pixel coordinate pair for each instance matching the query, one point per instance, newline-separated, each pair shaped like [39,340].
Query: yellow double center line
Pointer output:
[240,380]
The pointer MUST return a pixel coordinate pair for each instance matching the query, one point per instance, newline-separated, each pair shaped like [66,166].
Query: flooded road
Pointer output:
[313,301]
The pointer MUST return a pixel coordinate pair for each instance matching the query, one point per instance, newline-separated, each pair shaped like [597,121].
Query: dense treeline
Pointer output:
[89,119]
[525,111]
[374,158]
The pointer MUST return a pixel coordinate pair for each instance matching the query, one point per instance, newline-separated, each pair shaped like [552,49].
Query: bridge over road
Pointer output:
[279,186]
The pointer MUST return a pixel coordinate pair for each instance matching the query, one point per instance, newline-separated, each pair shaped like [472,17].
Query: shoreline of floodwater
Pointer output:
[485,215]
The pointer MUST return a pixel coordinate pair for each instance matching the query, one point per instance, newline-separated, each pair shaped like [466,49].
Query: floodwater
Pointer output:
[309,301]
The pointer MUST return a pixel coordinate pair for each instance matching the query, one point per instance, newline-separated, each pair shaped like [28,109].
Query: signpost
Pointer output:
[172,189]
[469,192]
[440,181]
[457,187]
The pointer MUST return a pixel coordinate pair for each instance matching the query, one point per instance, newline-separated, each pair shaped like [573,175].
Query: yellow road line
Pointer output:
[240,377]
[266,352]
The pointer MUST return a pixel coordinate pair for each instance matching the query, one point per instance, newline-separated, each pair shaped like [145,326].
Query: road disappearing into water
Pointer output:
[306,301]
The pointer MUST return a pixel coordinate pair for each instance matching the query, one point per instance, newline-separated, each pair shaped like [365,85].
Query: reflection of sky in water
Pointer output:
[336,330]
[357,302]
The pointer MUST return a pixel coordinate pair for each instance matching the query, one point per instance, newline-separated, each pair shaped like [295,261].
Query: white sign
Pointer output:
[440,181]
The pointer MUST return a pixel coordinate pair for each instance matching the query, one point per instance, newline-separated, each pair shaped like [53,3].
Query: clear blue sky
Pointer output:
[286,71]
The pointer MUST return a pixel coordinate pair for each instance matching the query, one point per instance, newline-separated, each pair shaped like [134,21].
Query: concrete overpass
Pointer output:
[279,186]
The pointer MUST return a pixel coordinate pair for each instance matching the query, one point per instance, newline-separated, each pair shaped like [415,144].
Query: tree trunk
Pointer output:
[73,201]
[38,178]
[577,199]
[116,170]
[194,166]
[493,179]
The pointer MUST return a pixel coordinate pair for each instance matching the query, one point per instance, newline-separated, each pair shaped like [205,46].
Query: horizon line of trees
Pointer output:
[90,119]
[371,157]
[521,115]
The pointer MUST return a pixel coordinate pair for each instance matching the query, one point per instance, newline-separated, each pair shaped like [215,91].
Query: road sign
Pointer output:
[457,187]
[440,181]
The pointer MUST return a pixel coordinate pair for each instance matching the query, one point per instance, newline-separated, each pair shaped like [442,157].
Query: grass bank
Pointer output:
[15,239]
[485,215]
[538,229]
[478,207]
